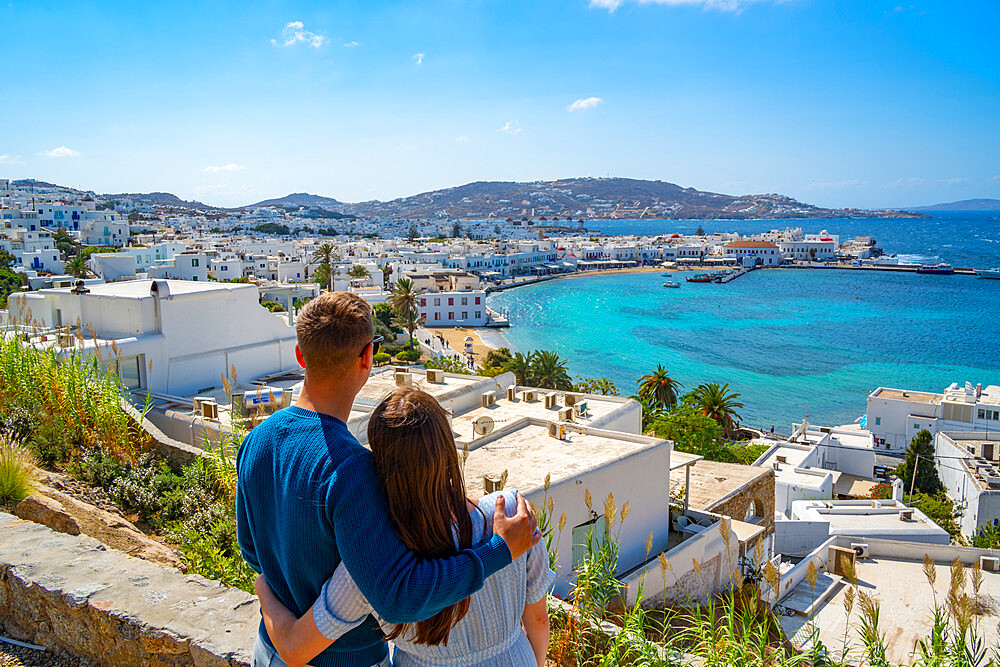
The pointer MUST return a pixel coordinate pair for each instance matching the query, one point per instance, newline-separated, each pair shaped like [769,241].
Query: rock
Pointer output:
[47,512]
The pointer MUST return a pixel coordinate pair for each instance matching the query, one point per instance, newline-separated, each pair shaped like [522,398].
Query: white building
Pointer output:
[869,519]
[895,416]
[969,467]
[757,252]
[820,251]
[189,265]
[173,337]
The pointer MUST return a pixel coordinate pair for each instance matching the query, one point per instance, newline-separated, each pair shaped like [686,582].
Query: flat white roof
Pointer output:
[528,454]
[136,289]
[907,602]
[383,382]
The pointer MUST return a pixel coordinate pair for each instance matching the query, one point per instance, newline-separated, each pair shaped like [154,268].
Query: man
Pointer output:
[307,497]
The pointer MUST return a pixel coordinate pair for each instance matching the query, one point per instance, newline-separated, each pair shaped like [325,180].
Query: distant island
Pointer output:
[963,205]
[564,199]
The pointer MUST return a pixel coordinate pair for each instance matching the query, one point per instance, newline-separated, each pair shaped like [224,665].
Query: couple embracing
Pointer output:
[356,548]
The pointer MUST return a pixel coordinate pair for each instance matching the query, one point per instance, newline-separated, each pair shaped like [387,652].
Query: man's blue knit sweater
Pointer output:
[307,497]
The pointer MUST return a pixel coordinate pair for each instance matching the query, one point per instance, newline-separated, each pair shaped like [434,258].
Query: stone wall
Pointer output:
[74,595]
[760,492]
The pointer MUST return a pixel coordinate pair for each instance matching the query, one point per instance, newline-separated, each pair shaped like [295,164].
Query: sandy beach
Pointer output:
[456,339]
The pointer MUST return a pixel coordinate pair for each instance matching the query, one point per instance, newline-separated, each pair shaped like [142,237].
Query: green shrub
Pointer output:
[17,473]
[97,468]
[52,440]
[449,365]
[409,355]
[144,486]
[273,306]
[392,350]
[17,424]
[381,359]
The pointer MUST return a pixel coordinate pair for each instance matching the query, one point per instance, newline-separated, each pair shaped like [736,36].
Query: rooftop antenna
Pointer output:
[482,425]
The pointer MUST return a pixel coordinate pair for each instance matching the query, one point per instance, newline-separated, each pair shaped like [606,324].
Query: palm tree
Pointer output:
[77,267]
[550,371]
[521,366]
[659,388]
[359,271]
[405,302]
[720,404]
[324,255]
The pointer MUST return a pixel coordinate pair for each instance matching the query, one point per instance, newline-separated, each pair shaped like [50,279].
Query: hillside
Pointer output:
[964,205]
[301,199]
[598,198]
[160,199]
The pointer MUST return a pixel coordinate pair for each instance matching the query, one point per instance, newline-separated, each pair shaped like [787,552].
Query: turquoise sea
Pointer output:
[790,341]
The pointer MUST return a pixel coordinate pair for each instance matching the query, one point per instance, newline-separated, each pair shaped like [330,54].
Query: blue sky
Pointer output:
[851,103]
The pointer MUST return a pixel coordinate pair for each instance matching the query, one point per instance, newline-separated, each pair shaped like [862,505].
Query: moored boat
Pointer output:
[936,269]
[701,278]
[992,274]
[671,283]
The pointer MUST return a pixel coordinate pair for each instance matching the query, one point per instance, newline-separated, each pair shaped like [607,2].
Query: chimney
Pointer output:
[897,490]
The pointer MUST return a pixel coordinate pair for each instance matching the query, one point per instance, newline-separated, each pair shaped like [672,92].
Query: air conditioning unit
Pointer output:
[566,415]
[489,398]
[572,399]
[861,549]
[993,481]
[906,515]
[550,401]
[876,504]
[491,483]
[782,459]
[556,431]
[530,395]
[403,379]
[989,563]
[512,393]
[580,409]
[434,375]
[209,409]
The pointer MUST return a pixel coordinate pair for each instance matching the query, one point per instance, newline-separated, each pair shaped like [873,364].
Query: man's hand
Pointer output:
[520,532]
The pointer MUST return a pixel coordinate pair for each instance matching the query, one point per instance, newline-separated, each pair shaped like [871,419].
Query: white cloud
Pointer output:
[462,139]
[61,151]
[223,167]
[511,127]
[955,181]
[584,103]
[901,182]
[294,33]
[835,185]
[351,44]
[418,58]
[719,5]
[996,178]
[10,159]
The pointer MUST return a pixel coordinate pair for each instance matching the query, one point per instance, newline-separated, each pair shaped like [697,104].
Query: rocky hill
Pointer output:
[598,198]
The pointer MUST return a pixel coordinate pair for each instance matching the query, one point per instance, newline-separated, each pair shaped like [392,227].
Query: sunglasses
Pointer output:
[376,343]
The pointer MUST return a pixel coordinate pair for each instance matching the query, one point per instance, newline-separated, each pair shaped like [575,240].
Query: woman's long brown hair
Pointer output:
[417,463]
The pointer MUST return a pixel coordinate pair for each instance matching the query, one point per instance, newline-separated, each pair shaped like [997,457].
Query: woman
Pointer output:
[417,464]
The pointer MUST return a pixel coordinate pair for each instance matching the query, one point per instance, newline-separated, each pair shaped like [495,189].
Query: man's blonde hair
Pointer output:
[333,329]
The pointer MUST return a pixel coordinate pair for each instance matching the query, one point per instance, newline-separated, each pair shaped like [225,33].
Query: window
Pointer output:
[451,314]
[587,536]
[916,426]
[423,302]
[225,268]
[878,421]
[129,371]
[451,301]
[194,262]
[479,314]
[982,413]
[477,300]
[465,314]
[437,301]
[437,316]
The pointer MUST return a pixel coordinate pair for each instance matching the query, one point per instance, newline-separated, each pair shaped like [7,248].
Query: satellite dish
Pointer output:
[482,425]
